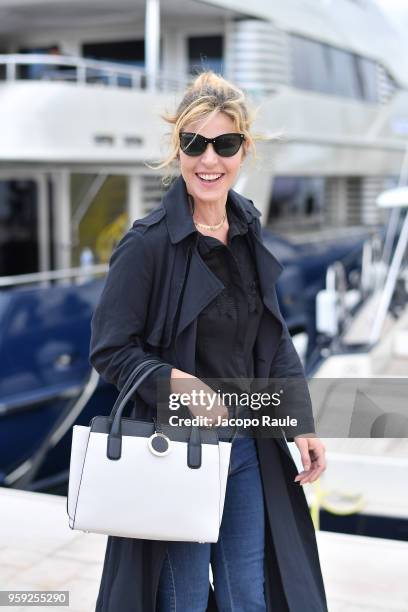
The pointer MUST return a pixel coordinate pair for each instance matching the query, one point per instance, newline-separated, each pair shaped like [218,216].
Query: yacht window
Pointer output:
[18,227]
[318,66]
[205,52]
[296,201]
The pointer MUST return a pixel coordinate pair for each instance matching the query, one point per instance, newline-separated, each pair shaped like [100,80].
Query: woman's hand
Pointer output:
[313,455]
[182,382]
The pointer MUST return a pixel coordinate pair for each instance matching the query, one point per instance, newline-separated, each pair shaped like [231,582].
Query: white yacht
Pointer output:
[82,87]
[360,387]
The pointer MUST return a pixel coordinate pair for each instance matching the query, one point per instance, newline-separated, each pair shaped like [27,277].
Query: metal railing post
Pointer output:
[11,71]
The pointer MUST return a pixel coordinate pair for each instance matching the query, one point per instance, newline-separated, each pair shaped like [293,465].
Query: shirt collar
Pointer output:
[178,216]
[237,227]
[236,221]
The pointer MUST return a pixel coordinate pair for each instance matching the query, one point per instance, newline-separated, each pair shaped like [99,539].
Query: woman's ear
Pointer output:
[245,149]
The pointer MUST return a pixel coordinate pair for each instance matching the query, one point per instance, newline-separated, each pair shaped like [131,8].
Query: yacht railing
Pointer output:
[43,67]
[393,273]
[83,273]
[23,475]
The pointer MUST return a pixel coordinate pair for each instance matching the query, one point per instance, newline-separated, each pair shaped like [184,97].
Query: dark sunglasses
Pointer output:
[225,145]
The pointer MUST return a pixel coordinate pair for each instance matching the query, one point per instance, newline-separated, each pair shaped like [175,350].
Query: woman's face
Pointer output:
[209,163]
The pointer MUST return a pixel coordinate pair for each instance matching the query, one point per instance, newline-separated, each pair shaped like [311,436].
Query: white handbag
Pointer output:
[136,479]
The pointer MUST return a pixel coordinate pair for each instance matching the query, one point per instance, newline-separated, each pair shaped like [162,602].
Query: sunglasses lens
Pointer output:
[228,144]
[225,145]
[191,144]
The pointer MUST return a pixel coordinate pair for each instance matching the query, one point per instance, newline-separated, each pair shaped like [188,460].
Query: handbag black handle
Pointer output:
[114,447]
[114,443]
[130,380]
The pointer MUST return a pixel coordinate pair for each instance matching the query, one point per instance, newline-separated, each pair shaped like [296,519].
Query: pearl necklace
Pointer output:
[212,228]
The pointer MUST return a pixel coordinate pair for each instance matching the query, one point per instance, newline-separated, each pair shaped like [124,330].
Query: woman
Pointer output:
[192,284]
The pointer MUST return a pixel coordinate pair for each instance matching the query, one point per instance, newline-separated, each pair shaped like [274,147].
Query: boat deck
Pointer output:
[39,551]
[372,470]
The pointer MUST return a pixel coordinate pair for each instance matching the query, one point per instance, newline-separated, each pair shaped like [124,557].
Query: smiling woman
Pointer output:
[209,176]
[193,285]
[210,140]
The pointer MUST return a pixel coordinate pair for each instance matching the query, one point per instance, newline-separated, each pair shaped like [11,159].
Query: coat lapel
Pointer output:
[200,288]
[269,270]
[202,285]
[198,285]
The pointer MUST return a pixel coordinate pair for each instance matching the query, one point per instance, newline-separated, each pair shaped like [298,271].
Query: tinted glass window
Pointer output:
[297,201]
[124,51]
[310,64]
[317,66]
[18,227]
[367,70]
[205,52]
[343,74]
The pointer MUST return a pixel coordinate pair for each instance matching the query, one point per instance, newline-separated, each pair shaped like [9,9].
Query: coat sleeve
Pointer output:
[286,365]
[296,402]
[118,321]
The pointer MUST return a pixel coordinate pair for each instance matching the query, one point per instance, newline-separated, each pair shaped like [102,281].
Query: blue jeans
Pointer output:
[237,559]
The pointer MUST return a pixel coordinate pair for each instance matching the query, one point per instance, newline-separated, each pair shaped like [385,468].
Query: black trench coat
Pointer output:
[156,287]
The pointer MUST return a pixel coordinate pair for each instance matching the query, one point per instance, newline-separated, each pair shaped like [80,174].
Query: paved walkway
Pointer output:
[39,551]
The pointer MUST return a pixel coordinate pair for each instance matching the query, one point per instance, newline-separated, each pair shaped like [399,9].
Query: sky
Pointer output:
[397,11]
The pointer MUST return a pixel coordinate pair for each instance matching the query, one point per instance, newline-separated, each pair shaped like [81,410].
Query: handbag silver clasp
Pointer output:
[159,444]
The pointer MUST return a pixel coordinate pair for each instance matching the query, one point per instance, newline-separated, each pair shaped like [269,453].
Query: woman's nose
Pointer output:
[209,156]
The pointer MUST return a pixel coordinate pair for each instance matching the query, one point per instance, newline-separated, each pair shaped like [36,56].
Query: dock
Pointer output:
[38,551]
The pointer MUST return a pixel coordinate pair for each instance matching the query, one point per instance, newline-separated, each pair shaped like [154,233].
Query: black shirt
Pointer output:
[228,326]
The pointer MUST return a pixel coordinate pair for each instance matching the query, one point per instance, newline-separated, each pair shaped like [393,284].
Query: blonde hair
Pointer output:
[208,94]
